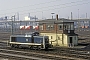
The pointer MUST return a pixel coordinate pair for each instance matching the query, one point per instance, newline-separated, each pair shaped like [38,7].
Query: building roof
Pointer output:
[81,19]
[55,21]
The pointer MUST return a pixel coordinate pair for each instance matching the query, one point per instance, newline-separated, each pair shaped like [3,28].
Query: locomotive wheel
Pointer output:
[31,47]
[17,46]
[12,45]
[39,47]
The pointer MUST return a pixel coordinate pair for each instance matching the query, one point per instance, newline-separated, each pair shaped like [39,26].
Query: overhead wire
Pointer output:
[30,5]
[55,8]
[52,6]
[60,7]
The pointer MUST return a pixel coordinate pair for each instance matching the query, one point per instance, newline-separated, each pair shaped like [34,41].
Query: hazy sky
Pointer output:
[44,8]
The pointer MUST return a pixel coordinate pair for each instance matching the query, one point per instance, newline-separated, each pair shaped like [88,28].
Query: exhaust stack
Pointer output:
[57,17]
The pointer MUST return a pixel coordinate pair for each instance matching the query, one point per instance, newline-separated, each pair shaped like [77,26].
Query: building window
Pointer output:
[41,27]
[47,27]
[50,27]
[60,26]
[68,26]
[72,26]
[65,27]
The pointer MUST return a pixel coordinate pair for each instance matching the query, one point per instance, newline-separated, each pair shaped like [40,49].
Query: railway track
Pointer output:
[64,52]
[7,57]
[59,53]
[34,55]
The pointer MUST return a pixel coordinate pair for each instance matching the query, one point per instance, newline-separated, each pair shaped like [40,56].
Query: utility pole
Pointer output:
[78,14]
[42,15]
[86,15]
[29,16]
[78,21]
[18,15]
[71,15]
[12,24]
[34,23]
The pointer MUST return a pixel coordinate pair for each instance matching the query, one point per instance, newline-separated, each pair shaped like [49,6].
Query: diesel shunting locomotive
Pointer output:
[31,41]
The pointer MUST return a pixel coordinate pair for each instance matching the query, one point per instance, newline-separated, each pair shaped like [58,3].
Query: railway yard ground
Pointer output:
[80,52]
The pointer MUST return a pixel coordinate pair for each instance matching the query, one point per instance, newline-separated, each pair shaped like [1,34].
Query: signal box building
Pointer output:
[60,32]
